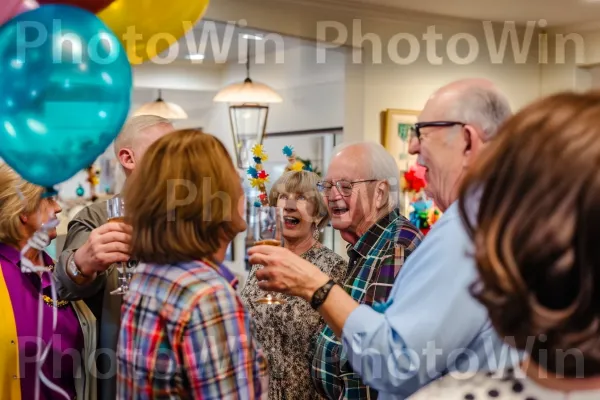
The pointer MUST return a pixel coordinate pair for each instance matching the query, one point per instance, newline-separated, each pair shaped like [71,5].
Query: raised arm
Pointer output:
[91,247]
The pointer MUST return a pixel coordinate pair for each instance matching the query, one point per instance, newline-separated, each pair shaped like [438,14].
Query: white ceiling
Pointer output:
[225,49]
[555,12]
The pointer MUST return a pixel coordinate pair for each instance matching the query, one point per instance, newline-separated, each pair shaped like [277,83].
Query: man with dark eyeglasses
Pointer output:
[430,324]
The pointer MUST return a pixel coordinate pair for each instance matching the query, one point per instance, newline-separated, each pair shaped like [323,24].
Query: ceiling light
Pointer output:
[252,37]
[162,108]
[194,57]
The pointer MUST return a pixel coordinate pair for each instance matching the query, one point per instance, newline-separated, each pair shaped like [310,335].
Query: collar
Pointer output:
[224,272]
[13,255]
[369,239]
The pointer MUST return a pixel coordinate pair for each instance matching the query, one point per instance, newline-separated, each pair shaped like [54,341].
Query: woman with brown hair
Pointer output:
[185,332]
[535,231]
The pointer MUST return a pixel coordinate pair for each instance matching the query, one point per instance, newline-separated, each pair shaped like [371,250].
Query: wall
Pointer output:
[372,85]
[312,99]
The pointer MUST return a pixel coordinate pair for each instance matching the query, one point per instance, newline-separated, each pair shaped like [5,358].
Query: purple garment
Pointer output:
[67,347]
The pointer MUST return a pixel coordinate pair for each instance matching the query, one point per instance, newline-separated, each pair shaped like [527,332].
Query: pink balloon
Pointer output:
[11,8]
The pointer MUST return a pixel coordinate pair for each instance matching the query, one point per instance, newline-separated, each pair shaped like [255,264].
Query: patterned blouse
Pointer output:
[287,331]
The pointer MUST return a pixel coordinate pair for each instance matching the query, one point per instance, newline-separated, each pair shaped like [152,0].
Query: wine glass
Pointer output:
[266,227]
[116,213]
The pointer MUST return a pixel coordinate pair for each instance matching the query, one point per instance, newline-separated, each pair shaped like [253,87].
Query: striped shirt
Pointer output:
[185,334]
[375,260]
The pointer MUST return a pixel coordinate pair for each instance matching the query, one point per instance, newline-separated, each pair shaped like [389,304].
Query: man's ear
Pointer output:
[127,159]
[473,145]
[381,194]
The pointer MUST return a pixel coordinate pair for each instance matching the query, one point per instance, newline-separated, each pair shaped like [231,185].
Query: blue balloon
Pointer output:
[65,92]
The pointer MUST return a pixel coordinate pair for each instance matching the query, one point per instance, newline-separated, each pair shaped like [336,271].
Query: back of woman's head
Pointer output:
[183,200]
[537,228]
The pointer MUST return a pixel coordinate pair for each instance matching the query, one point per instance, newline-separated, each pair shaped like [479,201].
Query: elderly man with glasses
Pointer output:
[361,190]
[430,324]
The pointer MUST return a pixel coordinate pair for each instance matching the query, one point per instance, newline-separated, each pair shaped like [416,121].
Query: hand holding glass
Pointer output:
[116,213]
[267,229]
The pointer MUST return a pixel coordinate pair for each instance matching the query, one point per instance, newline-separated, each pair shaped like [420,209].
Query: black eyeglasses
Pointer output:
[344,187]
[416,128]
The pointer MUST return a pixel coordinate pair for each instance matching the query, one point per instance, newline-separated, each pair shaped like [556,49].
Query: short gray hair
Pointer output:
[133,127]
[485,108]
[381,166]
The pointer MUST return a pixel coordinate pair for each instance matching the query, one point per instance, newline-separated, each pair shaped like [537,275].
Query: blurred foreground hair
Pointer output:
[536,231]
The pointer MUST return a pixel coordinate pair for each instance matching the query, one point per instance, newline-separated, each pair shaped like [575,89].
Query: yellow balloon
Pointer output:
[146,28]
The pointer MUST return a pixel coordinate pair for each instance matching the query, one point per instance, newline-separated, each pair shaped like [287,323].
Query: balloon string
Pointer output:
[39,241]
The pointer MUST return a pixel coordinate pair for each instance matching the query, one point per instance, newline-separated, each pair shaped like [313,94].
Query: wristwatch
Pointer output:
[319,297]
[75,271]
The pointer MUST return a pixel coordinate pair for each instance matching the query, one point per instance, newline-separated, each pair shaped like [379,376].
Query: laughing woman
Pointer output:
[286,330]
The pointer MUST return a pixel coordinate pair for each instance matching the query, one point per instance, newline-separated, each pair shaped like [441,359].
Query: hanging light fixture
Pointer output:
[162,108]
[248,112]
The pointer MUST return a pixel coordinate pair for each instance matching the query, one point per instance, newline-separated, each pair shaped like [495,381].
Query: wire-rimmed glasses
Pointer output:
[343,186]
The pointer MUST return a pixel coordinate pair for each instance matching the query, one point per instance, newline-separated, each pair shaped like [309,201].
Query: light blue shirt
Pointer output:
[430,325]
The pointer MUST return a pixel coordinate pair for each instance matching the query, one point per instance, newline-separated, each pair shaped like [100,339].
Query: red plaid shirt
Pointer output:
[186,334]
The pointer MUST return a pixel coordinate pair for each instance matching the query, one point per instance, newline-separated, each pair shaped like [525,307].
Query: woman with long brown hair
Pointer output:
[532,207]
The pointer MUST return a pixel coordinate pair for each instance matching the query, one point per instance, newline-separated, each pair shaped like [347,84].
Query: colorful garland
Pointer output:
[423,212]
[296,163]
[258,176]
[293,163]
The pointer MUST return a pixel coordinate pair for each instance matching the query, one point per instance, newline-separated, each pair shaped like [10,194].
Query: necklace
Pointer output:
[58,304]
[48,299]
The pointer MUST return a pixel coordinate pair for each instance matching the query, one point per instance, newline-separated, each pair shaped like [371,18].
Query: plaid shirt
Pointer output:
[375,260]
[185,334]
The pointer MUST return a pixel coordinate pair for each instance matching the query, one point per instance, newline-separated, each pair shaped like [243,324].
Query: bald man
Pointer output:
[93,245]
[430,324]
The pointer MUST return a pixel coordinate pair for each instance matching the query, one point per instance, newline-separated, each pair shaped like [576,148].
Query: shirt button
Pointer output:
[14,377]
[12,342]
[84,323]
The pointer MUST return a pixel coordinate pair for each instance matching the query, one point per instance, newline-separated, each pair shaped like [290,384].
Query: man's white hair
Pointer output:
[484,107]
[380,165]
[133,127]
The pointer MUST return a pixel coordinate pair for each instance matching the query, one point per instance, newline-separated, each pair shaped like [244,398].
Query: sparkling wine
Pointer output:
[268,242]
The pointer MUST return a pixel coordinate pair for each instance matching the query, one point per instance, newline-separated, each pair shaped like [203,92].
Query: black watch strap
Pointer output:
[321,294]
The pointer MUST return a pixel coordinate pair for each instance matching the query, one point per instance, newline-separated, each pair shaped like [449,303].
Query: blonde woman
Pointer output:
[287,331]
[22,213]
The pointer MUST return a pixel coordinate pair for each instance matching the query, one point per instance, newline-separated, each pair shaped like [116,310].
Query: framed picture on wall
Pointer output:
[395,135]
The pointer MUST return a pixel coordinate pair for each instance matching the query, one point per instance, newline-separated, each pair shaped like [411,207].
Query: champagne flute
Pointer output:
[267,229]
[116,213]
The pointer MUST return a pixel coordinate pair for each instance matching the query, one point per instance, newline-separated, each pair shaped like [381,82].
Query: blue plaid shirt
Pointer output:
[375,260]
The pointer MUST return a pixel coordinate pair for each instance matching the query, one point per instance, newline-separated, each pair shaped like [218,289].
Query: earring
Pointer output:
[316,233]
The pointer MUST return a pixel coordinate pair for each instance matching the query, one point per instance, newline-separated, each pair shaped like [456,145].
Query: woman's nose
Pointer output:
[290,205]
